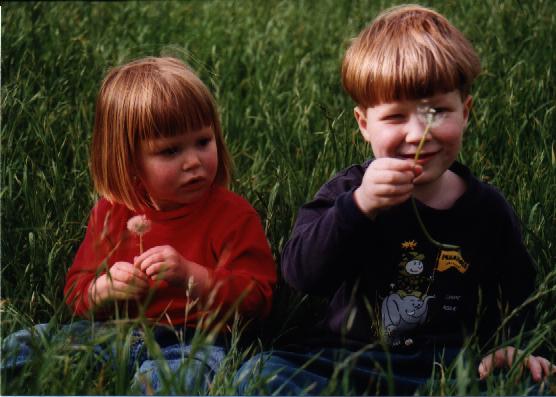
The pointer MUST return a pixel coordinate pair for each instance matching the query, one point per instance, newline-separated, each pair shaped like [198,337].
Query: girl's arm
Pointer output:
[245,273]
[243,276]
[87,283]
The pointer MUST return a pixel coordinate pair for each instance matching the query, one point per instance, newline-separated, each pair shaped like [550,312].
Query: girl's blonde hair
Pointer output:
[147,98]
[408,52]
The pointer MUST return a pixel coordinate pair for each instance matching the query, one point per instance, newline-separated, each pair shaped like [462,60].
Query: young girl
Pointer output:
[167,240]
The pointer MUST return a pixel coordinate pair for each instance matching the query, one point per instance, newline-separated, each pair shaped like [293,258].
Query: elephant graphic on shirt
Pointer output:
[400,315]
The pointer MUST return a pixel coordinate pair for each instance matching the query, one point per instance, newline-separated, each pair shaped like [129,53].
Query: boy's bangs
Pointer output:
[415,74]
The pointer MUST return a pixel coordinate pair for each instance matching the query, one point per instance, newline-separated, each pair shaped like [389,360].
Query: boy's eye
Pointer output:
[394,117]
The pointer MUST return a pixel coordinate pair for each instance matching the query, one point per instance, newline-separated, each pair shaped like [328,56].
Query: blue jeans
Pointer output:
[338,371]
[154,367]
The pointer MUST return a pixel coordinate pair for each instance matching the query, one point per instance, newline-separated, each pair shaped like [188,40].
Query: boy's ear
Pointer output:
[361,117]
[467,105]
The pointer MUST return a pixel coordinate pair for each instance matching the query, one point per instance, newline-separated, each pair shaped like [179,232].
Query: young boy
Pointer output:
[400,299]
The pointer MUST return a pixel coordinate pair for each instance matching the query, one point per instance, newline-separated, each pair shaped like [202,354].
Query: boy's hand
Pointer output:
[386,183]
[538,366]
[123,281]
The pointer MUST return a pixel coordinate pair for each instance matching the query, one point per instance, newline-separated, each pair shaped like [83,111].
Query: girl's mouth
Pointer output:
[193,184]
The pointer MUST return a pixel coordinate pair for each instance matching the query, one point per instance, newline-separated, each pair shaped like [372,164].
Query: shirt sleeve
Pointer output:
[321,252]
[87,265]
[245,274]
[512,280]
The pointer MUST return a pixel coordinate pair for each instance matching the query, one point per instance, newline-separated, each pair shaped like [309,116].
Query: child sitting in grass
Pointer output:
[401,301]
[167,241]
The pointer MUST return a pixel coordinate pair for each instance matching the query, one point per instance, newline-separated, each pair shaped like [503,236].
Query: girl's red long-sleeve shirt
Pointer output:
[221,232]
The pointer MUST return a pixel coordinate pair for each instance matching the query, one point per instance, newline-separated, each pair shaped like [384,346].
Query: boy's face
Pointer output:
[395,129]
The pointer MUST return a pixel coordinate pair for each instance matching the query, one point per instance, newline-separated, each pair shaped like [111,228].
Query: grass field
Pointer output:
[274,69]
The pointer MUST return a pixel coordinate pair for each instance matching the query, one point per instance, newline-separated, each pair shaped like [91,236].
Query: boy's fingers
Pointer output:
[389,163]
[534,365]
[485,367]
[547,367]
[393,190]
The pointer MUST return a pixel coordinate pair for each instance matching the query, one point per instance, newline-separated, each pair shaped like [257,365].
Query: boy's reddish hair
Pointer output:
[408,52]
[144,99]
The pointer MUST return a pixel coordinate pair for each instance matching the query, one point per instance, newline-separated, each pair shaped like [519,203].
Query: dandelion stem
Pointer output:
[421,143]
[430,120]
[426,232]
[140,244]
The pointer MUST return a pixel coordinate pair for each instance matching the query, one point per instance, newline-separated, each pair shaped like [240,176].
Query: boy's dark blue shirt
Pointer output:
[383,275]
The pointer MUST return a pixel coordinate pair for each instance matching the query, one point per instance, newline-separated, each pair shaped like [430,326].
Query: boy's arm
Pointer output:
[514,277]
[322,251]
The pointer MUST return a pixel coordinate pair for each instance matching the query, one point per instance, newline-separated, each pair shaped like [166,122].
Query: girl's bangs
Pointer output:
[175,109]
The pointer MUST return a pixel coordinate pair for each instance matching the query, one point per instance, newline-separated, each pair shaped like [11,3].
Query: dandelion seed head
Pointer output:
[139,225]
[428,115]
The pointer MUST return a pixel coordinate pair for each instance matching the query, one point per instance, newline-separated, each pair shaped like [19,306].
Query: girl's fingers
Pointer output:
[125,291]
[149,261]
[127,273]
[157,268]
[157,250]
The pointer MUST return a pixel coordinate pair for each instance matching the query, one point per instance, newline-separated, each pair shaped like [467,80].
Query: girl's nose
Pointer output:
[415,129]
[190,161]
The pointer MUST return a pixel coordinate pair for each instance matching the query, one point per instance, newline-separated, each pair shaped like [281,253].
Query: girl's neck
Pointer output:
[442,193]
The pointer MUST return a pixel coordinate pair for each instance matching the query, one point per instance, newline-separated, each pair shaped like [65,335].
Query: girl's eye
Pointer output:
[204,142]
[441,110]
[170,151]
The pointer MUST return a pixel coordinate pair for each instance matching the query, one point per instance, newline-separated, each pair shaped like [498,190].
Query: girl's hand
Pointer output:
[123,281]
[538,366]
[386,183]
[163,262]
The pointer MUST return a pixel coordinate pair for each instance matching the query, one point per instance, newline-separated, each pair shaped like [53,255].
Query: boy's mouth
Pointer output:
[424,156]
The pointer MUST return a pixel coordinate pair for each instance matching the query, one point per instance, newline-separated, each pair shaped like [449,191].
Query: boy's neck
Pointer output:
[442,193]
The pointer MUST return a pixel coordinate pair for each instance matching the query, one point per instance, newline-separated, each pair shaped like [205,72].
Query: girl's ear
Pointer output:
[361,117]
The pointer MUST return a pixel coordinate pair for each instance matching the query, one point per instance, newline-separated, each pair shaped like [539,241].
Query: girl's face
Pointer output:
[395,129]
[179,170]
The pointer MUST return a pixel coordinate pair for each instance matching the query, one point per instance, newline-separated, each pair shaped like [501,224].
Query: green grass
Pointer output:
[274,69]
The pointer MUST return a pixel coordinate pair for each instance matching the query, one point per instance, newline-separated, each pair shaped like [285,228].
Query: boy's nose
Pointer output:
[414,130]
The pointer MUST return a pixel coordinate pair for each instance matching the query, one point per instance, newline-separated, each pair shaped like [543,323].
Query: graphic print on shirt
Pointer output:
[406,306]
